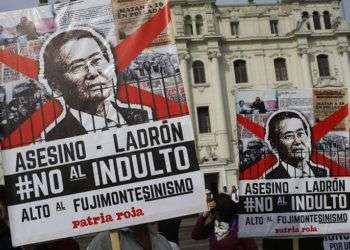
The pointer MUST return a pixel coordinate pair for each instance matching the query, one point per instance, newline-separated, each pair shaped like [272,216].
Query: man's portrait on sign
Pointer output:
[78,68]
[289,136]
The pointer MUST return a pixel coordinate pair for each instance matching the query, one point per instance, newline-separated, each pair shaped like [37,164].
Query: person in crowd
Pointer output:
[5,37]
[79,69]
[140,237]
[224,190]
[27,28]
[243,108]
[234,194]
[170,229]
[5,236]
[259,105]
[220,225]
[289,136]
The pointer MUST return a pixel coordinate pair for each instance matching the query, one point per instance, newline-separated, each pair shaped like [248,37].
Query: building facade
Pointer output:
[223,49]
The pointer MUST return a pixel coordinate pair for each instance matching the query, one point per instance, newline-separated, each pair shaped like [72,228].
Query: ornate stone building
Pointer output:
[223,49]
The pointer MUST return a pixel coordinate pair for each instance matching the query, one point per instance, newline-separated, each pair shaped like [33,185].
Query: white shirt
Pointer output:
[91,123]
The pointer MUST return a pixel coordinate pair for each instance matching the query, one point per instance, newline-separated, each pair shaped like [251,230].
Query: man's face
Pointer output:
[87,79]
[241,103]
[294,144]
[257,99]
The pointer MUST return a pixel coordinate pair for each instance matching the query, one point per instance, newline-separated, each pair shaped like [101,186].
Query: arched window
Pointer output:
[305,16]
[199,24]
[327,20]
[317,22]
[281,69]
[198,72]
[188,26]
[323,65]
[240,67]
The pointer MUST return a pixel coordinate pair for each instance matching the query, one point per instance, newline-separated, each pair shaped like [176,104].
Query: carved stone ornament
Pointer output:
[342,49]
[184,56]
[303,51]
[213,54]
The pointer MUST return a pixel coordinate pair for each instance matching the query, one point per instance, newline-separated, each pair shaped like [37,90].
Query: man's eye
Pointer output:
[301,134]
[288,137]
[96,61]
[76,67]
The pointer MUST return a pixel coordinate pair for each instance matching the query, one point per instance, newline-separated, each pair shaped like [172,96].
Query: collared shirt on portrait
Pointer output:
[92,123]
[305,171]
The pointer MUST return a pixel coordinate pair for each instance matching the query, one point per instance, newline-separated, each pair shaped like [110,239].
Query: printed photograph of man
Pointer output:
[27,28]
[78,67]
[289,136]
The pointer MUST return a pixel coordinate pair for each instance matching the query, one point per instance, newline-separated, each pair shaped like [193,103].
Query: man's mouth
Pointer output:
[96,86]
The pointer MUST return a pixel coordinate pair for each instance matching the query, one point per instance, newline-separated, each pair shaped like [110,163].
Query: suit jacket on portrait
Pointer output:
[280,172]
[69,126]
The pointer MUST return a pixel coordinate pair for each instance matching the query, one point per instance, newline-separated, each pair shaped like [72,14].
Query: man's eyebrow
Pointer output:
[290,131]
[83,59]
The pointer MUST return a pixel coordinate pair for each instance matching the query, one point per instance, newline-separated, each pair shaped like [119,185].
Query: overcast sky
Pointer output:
[18,4]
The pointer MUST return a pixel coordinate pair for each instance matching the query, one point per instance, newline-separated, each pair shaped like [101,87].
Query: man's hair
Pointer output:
[2,195]
[52,62]
[225,209]
[276,118]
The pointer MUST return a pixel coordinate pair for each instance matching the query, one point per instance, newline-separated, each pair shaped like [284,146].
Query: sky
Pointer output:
[18,4]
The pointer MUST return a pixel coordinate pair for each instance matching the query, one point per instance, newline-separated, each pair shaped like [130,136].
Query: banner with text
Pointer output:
[294,161]
[96,132]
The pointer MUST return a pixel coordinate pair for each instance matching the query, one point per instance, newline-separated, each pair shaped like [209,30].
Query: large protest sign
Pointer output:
[96,130]
[294,162]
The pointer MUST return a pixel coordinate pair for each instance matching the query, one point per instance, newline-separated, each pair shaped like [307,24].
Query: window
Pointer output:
[188,26]
[198,72]
[203,119]
[234,28]
[323,65]
[305,17]
[281,69]
[240,69]
[199,24]
[274,27]
[327,20]
[317,22]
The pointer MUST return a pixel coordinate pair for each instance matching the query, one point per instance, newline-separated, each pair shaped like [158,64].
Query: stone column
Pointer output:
[219,100]
[344,53]
[184,58]
[305,64]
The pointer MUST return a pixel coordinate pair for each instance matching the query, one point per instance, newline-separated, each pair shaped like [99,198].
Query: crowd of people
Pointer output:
[24,29]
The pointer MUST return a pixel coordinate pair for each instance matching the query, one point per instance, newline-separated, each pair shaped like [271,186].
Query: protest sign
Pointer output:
[97,133]
[294,164]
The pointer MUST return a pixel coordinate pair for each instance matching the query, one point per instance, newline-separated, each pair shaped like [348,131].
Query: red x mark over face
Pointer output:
[126,51]
[319,130]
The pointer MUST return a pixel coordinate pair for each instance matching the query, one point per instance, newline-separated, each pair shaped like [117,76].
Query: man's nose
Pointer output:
[297,139]
[92,71]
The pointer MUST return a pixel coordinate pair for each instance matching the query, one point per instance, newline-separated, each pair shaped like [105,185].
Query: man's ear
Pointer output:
[56,92]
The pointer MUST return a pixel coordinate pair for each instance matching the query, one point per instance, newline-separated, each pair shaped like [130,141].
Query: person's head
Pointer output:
[288,133]
[78,66]
[225,209]
[234,189]
[257,99]
[24,19]
[224,188]
[241,103]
